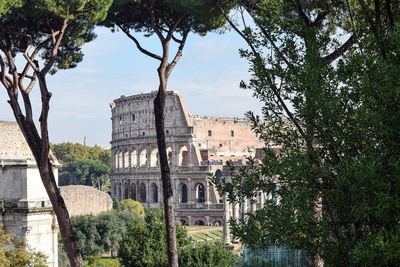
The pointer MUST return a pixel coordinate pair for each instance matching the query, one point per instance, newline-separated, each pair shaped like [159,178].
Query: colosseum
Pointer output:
[196,147]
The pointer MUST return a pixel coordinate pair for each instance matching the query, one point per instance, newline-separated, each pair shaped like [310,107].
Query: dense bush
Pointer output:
[206,254]
[144,242]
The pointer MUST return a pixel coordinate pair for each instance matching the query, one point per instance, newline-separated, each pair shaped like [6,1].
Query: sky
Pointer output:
[207,76]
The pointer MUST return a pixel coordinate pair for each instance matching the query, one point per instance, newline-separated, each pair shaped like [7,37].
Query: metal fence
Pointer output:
[275,256]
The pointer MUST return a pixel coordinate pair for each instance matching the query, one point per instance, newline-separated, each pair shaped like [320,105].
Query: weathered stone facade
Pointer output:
[196,147]
[85,200]
[26,210]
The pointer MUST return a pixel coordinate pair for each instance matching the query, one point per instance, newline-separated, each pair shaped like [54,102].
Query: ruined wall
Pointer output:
[225,137]
[82,200]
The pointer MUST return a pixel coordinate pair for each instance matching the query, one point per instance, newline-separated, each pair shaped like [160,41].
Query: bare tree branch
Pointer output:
[340,51]
[178,54]
[4,77]
[300,12]
[58,38]
[141,49]
[13,70]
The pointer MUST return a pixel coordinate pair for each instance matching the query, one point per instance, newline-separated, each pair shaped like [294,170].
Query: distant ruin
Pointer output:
[196,147]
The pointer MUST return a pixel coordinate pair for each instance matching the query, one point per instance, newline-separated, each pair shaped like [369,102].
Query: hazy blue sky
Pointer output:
[207,77]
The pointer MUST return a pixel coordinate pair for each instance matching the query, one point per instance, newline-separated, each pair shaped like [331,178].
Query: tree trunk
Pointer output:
[169,213]
[45,167]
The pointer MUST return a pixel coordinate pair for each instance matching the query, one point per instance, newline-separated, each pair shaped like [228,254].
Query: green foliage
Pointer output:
[84,165]
[67,152]
[330,125]
[95,261]
[132,206]
[102,233]
[85,172]
[14,253]
[195,16]
[144,242]
[205,254]
[30,22]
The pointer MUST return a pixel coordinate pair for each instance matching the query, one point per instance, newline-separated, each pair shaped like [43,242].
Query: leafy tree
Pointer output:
[67,152]
[87,235]
[132,206]
[328,75]
[205,254]
[85,172]
[14,253]
[48,34]
[102,233]
[171,22]
[144,241]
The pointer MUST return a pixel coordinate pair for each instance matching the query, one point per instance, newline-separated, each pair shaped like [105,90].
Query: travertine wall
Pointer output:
[225,137]
[136,172]
[26,209]
[83,200]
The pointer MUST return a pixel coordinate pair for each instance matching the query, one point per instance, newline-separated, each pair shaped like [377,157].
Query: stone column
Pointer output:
[253,205]
[138,156]
[190,160]
[227,237]
[244,207]
[236,211]
[148,155]
[262,200]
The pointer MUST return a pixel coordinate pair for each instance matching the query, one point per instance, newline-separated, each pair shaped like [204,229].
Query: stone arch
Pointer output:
[126,191]
[183,194]
[143,158]
[217,223]
[142,193]
[154,193]
[169,155]
[200,193]
[133,191]
[133,157]
[183,156]
[154,158]
[199,222]
[119,191]
[126,158]
[218,175]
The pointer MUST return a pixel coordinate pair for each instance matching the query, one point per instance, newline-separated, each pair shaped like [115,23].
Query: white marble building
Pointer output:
[26,210]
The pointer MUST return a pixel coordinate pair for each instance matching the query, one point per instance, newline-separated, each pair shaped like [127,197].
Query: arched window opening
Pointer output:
[201,193]
[169,155]
[119,193]
[183,222]
[183,194]
[218,175]
[126,195]
[143,158]
[133,158]
[183,156]
[217,223]
[154,158]
[133,191]
[199,222]
[126,159]
[142,193]
[154,193]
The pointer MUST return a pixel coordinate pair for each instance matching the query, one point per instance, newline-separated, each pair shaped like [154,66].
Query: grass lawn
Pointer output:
[205,233]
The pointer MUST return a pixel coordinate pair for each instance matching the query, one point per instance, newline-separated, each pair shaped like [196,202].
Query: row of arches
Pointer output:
[183,193]
[135,192]
[200,222]
[147,157]
[140,192]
